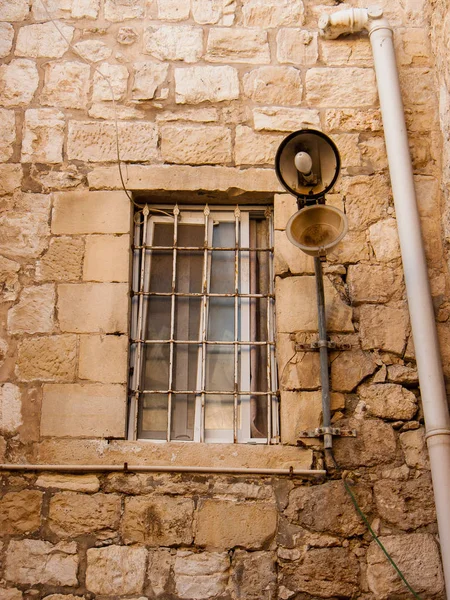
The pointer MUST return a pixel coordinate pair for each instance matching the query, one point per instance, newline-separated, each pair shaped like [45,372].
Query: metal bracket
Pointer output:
[320,431]
[314,346]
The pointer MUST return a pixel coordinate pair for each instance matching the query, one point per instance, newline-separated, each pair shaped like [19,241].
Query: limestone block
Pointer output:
[254,575]
[350,119]
[200,84]
[270,84]
[272,13]
[373,153]
[105,111]
[220,12]
[127,36]
[34,313]
[427,194]
[340,87]
[9,279]
[413,48]
[103,358]
[64,9]
[36,561]
[43,136]
[326,508]
[297,370]
[416,555]
[72,514]
[91,141]
[353,248]
[356,52]
[19,80]
[348,145]
[47,358]
[62,261]
[10,408]
[172,10]
[237,45]
[148,76]
[43,40]
[20,512]
[384,240]
[158,521]
[297,46]
[14,10]
[24,231]
[418,87]
[116,570]
[284,206]
[90,212]
[83,410]
[299,411]
[121,10]
[285,119]
[200,576]
[374,283]
[402,374]
[8,129]
[389,401]
[110,82]
[384,327]
[66,84]
[367,200]
[65,177]
[297,307]
[93,50]
[374,444]
[159,570]
[75,483]
[6,38]
[10,180]
[107,258]
[235,524]
[10,594]
[255,148]
[349,368]
[195,145]
[174,42]
[415,449]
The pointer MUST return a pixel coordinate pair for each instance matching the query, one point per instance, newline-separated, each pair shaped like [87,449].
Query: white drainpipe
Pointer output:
[434,398]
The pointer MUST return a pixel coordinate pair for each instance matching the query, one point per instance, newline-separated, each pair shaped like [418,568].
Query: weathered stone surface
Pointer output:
[107,258]
[62,261]
[77,9]
[340,87]
[148,76]
[254,576]
[288,258]
[302,316]
[74,483]
[43,40]
[384,327]
[116,570]
[384,240]
[172,10]
[10,408]
[47,358]
[174,42]
[93,50]
[10,180]
[350,119]
[270,84]
[374,283]
[389,401]
[196,115]
[65,177]
[236,524]
[6,39]
[416,555]
[97,142]
[35,561]
[415,449]
[418,87]
[20,512]
[349,368]
[66,84]
[413,48]
[160,563]
[8,128]
[254,148]
[9,279]
[285,119]
[127,36]
[374,444]
[238,45]
[43,136]
[213,12]
[326,508]
[201,84]
[298,411]
[297,46]
[72,514]
[121,10]
[14,10]
[24,230]
[103,358]
[10,594]
[105,111]
[195,145]
[402,374]
[110,82]
[83,410]
[272,13]
[200,576]
[19,80]
[356,52]
[359,192]
[34,312]
[297,370]
[158,521]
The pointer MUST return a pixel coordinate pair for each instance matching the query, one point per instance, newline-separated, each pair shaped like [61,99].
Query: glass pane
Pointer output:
[190,262]
[161,260]
[186,357]
[220,368]
[158,318]
[183,410]
[221,319]
[219,413]
[187,318]
[222,263]
[156,367]
[153,417]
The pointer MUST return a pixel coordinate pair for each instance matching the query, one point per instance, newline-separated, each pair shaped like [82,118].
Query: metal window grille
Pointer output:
[202,355]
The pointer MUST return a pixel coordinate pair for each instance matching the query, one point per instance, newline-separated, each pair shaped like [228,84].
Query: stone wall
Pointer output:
[205,91]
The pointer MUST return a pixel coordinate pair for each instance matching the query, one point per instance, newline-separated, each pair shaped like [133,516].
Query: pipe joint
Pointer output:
[351,20]
[435,432]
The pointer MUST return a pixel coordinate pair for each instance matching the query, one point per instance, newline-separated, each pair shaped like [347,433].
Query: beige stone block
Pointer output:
[235,524]
[349,368]
[8,128]
[10,408]
[91,141]
[373,153]
[201,84]
[271,118]
[34,313]
[61,178]
[374,283]
[418,87]
[116,570]
[6,39]
[297,370]
[367,199]
[299,311]
[11,594]
[24,230]
[83,410]
[389,401]
[127,36]
[238,45]
[196,115]
[353,248]
[110,82]
[9,279]
[349,150]
[106,112]
[64,9]
[72,514]
[284,206]
[148,76]
[158,521]
[14,10]
[174,42]
[356,52]
[336,87]
[290,259]
[384,240]
[268,85]
[214,12]
[413,47]
[350,119]
[91,212]
[415,449]
[384,327]
[254,574]
[122,10]
[107,258]
[43,136]
[104,358]
[375,444]
[202,575]
[62,261]
[272,13]
[297,46]
[299,411]
[172,10]
[47,358]
[160,563]
[10,179]
[74,483]
[19,80]
[255,148]
[43,40]
[66,84]
[196,145]
[93,50]
[35,561]
[20,512]
[403,375]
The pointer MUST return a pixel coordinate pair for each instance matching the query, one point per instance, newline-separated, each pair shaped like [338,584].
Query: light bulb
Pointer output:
[303,163]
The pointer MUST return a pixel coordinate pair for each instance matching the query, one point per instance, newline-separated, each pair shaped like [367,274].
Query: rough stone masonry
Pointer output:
[204,91]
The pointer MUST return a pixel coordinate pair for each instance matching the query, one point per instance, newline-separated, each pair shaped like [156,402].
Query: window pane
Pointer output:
[187,318]
[222,262]
[221,319]
[220,368]
[153,417]
[186,359]
[161,260]
[156,367]
[190,262]
[158,318]
[183,411]
[219,413]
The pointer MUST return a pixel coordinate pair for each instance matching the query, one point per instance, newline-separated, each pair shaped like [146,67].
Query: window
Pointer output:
[202,356]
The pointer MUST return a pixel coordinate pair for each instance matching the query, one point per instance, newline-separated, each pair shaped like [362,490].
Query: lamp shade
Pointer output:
[317,229]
